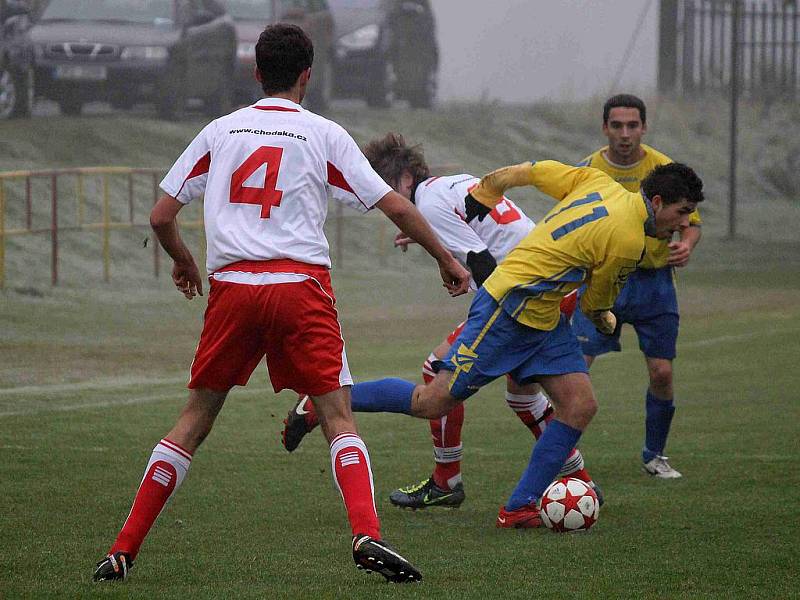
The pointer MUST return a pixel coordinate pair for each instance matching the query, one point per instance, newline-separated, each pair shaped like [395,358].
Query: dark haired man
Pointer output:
[265,171]
[479,245]
[648,301]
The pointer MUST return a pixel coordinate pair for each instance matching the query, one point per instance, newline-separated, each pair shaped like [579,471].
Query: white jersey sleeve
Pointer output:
[351,179]
[186,180]
[452,229]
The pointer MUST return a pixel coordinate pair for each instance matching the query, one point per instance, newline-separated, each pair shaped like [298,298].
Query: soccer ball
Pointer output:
[569,504]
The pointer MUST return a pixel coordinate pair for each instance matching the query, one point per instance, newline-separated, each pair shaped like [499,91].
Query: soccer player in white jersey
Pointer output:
[265,171]
[479,245]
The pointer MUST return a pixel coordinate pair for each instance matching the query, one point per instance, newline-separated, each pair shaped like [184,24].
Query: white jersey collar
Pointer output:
[281,103]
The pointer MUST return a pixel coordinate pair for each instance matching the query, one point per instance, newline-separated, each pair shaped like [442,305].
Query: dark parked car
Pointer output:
[385,49]
[16,72]
[250,18]
[164,51]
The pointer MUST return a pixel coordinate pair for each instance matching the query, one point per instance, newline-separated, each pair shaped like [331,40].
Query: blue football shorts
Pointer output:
[649,303]
[493,344]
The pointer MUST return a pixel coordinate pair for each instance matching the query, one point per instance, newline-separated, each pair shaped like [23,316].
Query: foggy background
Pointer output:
[524,50]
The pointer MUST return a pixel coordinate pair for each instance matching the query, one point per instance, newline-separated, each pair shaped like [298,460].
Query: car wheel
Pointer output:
[121,103]
[9,94]
[70,106]
[171,101]
[381,92]
[424,94]
[319,96]
[221,101]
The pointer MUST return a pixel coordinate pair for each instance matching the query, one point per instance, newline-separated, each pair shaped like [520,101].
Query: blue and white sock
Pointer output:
[547,458]
[384,395]
[656,426]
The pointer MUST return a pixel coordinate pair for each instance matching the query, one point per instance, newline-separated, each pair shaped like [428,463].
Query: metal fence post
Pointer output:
[2,235]
[79,198]
[106,232]
[28,204]
[339,236]
[156,262]
[54,229]
[734,115]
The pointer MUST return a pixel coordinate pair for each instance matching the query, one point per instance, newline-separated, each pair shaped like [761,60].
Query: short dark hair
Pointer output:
[390,157]
[673,182]
[283,52]
[625,101]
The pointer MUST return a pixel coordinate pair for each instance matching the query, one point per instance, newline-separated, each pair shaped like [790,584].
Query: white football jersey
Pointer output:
[441,201]
[266,171]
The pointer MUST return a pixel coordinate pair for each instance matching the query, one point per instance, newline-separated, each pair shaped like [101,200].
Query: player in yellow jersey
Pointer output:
[595,235]
[648,301]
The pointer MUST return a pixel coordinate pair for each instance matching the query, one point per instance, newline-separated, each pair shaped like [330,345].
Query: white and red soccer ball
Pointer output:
[569,504]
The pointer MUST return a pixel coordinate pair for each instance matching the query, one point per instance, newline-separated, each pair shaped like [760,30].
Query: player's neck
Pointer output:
[292,95]
[625,162]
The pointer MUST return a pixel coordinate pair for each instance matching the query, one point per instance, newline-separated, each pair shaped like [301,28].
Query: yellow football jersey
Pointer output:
[630,177]
[594,235]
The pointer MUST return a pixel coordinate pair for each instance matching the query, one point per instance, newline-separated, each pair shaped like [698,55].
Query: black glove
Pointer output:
[475,208]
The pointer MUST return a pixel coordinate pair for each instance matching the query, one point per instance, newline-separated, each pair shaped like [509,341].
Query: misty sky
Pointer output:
[519,50]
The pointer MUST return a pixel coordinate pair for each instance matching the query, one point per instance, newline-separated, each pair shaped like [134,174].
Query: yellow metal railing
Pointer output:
[107,201]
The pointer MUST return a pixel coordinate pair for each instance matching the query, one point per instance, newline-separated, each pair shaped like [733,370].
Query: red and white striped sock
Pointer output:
[533,410]
[353,476]
[536,412]
[427,368]
[447,448]
[164,474]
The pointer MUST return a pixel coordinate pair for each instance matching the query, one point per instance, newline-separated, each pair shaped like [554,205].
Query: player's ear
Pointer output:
[257,75]
[657,202]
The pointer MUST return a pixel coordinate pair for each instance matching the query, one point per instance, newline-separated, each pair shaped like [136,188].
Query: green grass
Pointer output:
[93,380]
[92,374]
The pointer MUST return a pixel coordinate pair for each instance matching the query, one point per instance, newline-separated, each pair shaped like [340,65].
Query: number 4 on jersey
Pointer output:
[266,196]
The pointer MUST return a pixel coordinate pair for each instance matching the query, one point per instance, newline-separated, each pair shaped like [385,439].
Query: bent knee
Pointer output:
[661,376]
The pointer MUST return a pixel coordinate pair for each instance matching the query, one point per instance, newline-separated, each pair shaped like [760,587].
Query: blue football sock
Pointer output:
[656,426]
[384,395]
[549,454]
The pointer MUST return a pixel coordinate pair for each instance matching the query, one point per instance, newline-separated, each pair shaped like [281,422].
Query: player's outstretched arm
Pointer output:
[406,216]
[185,273]
[489,192]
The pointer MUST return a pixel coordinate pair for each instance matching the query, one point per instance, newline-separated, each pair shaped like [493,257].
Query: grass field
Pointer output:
[254,521]
[93,374]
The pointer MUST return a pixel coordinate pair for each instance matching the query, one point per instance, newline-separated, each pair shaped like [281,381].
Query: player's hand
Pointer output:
[187,279]
[401,240]
[679,253]
[475,209]
[456,278]
[605,322]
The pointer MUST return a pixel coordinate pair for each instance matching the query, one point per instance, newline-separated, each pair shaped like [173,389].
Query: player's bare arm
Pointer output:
[681,250]
[163,220]
[406,216]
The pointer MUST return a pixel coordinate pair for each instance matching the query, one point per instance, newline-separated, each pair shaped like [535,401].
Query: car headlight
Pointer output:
[363,38]
[245,50]
[144,53]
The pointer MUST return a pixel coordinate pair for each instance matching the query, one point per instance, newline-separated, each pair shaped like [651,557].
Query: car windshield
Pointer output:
[249,10]
[159,12]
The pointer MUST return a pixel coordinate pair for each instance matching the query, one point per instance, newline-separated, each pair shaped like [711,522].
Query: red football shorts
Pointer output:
[293,324]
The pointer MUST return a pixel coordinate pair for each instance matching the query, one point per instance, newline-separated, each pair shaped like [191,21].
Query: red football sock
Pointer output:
[165,472]
[447,447]
[353,476]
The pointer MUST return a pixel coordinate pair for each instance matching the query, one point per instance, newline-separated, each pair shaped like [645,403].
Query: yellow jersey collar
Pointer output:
[650,222]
